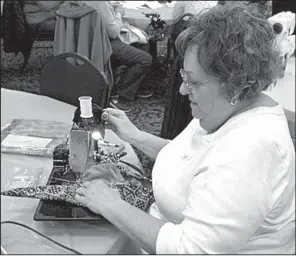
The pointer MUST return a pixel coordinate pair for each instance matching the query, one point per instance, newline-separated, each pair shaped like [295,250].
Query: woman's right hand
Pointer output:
[119,123]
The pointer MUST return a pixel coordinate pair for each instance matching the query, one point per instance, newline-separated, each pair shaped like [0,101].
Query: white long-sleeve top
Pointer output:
[232,191]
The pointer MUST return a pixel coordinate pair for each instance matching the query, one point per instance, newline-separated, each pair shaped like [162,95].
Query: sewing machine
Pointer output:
[82,148]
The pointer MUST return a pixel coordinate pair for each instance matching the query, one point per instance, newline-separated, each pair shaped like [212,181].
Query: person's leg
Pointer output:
[138,65]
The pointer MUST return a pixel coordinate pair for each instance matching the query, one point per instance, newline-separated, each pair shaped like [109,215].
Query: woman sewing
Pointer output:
[226,184]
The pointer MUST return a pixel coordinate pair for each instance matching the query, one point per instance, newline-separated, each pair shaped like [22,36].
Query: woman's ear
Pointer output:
[228,94]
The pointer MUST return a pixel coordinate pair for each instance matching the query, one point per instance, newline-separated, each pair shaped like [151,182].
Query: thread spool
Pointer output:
[105,116]
[85,107]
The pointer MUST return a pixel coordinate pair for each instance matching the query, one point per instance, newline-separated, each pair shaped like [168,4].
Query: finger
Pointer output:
[110,126]
[82,200]
[100,183]
[95,176]
[90,177]
[120,148]
[81,191]
[117,177]
[86,184]
[113,120]
[115,112]
[88,203]
[91,174]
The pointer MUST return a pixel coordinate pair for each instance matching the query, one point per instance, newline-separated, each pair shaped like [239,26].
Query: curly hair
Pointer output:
[235,47]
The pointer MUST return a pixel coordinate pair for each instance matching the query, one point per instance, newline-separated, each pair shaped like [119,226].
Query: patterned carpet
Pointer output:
[146,114]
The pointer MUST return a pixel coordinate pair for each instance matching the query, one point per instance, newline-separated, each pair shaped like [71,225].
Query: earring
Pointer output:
[233,101]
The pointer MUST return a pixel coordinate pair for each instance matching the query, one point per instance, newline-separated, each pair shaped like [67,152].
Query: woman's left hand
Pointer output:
[96,196]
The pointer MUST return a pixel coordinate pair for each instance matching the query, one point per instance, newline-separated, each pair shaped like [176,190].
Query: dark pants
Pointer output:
[137,64]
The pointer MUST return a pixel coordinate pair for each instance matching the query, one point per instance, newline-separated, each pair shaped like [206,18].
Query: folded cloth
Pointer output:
[138,196]
[135,195]
[114,172]
[128,184]
[103,156]
[50,192]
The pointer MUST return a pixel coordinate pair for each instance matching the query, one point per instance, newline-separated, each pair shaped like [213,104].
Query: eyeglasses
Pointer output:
[190,86]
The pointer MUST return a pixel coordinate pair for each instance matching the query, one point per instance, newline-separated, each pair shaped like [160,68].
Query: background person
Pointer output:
[137,61]
[39,11]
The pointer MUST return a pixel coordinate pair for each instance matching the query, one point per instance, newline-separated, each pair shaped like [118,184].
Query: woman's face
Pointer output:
[204,92]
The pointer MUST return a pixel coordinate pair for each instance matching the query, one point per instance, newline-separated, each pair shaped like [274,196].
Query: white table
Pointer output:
[95,238]
[138,19]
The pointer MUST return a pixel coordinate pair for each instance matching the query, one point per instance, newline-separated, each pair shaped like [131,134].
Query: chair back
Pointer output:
[177,111]
[180,25]
[177,28]
[68,76]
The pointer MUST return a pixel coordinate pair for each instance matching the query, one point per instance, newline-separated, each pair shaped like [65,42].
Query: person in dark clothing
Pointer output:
[137,61]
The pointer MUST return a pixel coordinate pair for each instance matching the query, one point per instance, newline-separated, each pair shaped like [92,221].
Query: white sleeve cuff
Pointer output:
[168,239]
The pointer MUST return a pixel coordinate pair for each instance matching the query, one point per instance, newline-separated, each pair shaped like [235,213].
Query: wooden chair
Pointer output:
[68,76]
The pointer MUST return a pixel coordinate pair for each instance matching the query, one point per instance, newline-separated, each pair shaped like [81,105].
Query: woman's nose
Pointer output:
[183,89]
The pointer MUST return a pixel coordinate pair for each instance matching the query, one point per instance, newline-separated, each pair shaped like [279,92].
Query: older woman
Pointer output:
[226,184]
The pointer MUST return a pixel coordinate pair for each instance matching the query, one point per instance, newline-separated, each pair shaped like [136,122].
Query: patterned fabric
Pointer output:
[103,157]
[135,195]
[50,192]
[126,174]
[131,189]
